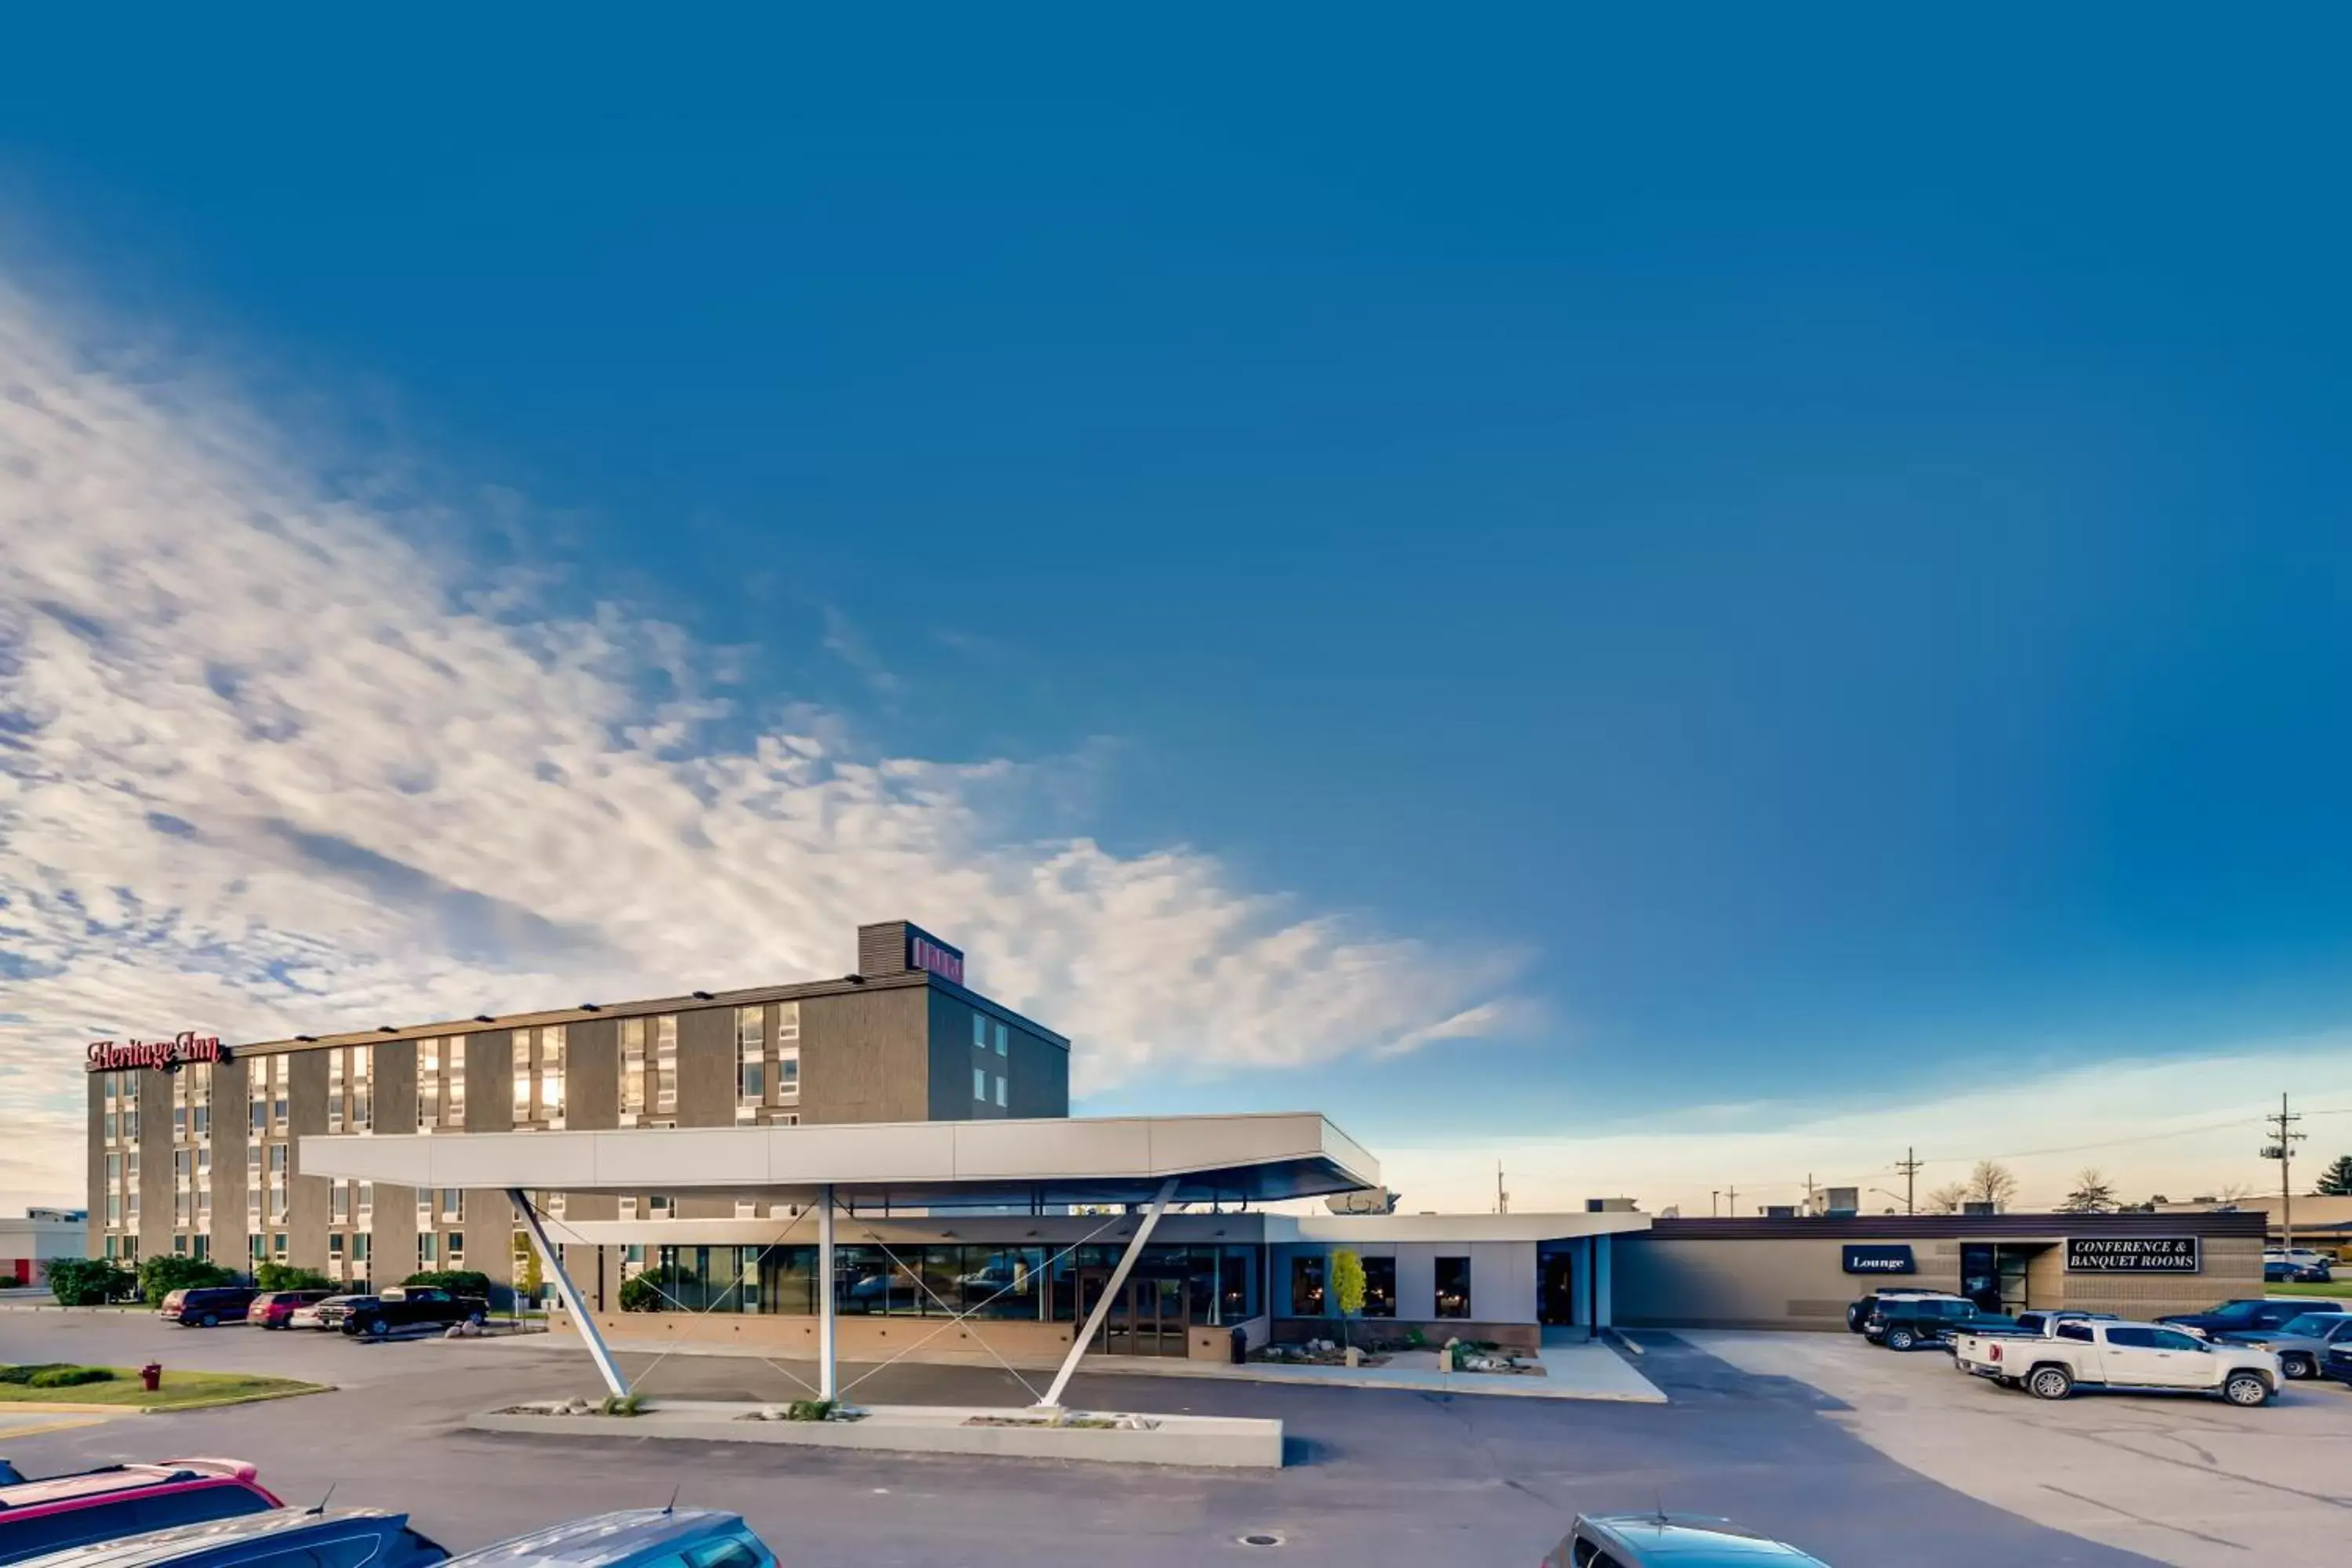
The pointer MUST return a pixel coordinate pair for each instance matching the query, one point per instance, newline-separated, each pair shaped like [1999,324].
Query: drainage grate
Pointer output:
[1260,1538]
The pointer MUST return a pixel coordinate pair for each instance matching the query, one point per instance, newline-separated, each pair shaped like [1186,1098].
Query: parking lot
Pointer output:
[2181,1478]
[1376,1477]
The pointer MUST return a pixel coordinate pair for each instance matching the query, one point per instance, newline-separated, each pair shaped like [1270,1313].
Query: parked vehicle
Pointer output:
[397,1307]
[1681,1539]
[2121,1355]
[281,1538]
[275,1309]
[2305,1264]
[1907,1325]
[316,1314]
[633,1538]
[54,1512]
[2336,1363]
[2246,1316]
[2301,1342]
[207,1306]
[1857,1314]
[2040,1325]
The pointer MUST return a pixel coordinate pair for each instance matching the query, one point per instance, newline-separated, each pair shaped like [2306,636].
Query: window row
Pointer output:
[1310,1296]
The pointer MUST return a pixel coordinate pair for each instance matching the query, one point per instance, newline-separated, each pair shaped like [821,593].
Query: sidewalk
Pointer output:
[1571,1371]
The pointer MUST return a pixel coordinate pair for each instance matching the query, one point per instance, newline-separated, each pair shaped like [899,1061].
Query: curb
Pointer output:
[226,1400]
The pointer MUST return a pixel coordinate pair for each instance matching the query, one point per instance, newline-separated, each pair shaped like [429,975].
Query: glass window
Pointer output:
[457,1248]
[1307,1285]
[979,1083]
[751,1061]
[278,1246]
[980,1031]
[1452,1286]
[455,1099]
[2129,1338]
[522,1043]
[666,1062]
[1380,1287]
[1002,1039]
[162,1513]
[551,1042]
[633,1066]
[2173,1340]
[453,1202]
[339,1202]
[1000,1089]
[362,1089]
[788,1020]
[728,1553]
[788,1073]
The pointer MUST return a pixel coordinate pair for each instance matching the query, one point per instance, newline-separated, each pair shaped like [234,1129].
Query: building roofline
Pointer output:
[742,997]
[1955,1227]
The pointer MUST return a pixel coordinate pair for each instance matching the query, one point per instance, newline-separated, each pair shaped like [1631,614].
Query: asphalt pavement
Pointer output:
[1375,1478]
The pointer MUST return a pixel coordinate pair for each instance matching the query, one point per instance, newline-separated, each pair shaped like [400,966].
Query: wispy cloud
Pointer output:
[272,760]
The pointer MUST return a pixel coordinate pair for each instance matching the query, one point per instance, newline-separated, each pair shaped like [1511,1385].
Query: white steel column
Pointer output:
[1052,1399]
[824,1312]
[552,1257]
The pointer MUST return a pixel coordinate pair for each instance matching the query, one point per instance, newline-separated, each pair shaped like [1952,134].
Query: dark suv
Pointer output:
[1902,1325]
[207,1306]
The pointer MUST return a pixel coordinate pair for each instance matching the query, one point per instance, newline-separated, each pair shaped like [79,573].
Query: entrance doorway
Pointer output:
[1149,1316]
[1556,1287]
[1995,1275]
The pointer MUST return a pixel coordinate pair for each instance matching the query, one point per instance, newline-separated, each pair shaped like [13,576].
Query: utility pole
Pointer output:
[1809,1192]
[1909,1166]
[1502,1198]
[2282,1129]
[1731,1202]
[1714,1204]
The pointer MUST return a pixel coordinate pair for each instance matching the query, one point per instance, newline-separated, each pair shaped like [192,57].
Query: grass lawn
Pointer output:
[2290,1288]
[180,1388]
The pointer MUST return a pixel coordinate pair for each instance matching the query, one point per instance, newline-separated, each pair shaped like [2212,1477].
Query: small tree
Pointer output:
[2336,1182]
[640,1294]
[2093,1194]
[87,1281]
[1991,1183]
[286,1277]
[166,1272]
[1347,1288]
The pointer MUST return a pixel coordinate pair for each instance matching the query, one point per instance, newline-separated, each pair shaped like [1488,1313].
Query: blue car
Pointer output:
[341,1538]
[1673,1540]
[633,1538]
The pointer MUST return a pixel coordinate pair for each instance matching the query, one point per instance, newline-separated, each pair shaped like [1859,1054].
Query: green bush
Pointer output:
[811,1409]
[26,1374]
[456,1281]
[70,1376]
[640,1294]
[621,1404]
[88,1281]
[166,1272]
[286,1277]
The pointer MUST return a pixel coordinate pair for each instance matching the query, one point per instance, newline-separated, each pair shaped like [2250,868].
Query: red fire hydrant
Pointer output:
[150,1376]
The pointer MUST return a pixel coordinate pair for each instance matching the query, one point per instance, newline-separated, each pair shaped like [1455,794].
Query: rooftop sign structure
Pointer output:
[164,1055]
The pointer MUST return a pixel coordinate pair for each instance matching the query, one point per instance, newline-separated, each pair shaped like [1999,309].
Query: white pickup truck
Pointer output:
[2120,1355]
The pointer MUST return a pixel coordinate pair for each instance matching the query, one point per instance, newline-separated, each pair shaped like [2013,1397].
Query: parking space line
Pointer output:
[2143,1518]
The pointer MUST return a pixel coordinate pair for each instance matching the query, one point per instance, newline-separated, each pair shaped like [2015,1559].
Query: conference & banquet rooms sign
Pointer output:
[2132,1255]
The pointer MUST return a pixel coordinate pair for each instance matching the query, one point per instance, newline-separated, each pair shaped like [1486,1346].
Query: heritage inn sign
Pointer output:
[165,1055]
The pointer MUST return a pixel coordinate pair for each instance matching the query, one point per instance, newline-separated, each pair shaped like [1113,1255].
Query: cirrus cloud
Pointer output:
[273,758]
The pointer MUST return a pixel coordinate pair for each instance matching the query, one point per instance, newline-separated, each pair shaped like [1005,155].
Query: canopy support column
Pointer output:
[1093,1325]
[552,1257]
[827,1380]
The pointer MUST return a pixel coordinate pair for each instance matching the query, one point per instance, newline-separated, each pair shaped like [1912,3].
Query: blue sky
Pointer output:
[1726,565]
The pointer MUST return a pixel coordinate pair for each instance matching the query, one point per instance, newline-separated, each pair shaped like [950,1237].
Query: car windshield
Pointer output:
[2314,1324]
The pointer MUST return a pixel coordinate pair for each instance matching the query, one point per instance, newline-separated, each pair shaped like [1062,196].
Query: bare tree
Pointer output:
[1946,1199]
[1991,1183]
[2235,1192]
[2093,1194]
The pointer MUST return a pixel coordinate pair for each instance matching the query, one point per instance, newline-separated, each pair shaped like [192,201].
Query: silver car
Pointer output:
[2301,1342]
[1670,1540]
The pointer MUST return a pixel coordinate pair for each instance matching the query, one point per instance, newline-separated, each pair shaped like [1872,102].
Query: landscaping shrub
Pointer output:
[166,1272]
[456,1281]
[87,1281]
[640,1294]
[26,1374]
[811,1409]
[70,1376]
[286,1277]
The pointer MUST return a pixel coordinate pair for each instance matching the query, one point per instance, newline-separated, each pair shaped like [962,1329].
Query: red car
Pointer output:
[275,1309]
[60,1511]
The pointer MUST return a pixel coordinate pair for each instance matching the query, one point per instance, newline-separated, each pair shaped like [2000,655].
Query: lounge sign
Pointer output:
[164,1056]
[2132,1255]
[1888,1259]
